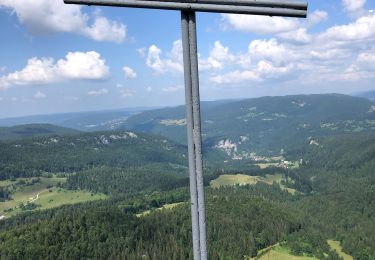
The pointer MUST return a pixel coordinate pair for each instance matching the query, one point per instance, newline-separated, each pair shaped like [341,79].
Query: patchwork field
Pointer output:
[241,179]
[44,194]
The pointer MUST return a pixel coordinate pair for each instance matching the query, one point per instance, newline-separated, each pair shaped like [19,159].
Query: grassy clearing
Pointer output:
[278,252]
[281,164]
[335,245]
[166,206]
[263,166]
[241,179]
[44,197]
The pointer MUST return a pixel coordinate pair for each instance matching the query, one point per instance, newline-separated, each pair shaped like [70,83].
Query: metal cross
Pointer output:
[191,78]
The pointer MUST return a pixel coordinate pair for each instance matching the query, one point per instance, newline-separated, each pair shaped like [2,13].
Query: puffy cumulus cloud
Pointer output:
[284,28]
[360,30]
[39,95]
[82,65]
[36,72]
[300,36]
[316,17]
[172,62]
[129,73]
[49,16]
[99,92]
[270,49]
[75,66]
[104,30]
[339,53]
[218,57]
[258,24]
[354,7]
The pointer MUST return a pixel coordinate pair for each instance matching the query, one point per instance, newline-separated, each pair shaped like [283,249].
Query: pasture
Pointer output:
[44,193]
[242,179]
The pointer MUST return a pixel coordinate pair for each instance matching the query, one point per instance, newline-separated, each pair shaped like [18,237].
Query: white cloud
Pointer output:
[354,7]
[149,89]
[258,24]
[37,71]
[341,52]
[40,95]
[219,56]
[129,72]
[317,17]
[49,16]
[142,52]
[271,50]
[125,93]
[362,29]
[366,61]
[104,30]
[285,28]
[173,89]
[266,69]
[75,66]
[235,77]
[99,92]
[171,63]
[300,36]
[83,65]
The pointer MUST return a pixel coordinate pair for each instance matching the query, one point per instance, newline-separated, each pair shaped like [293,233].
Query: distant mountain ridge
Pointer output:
[266,124]
[369,94]
[242,128]
[33,130]
[83,121]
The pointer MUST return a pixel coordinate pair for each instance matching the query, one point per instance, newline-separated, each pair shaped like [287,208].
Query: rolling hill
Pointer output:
[83,121]
[266,125]
[33,130]
[73,153]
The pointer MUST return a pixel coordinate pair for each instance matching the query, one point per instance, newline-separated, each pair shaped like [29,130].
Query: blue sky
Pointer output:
[59,58]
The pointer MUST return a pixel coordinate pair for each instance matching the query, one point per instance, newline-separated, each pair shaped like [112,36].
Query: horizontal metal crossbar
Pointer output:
[213,6]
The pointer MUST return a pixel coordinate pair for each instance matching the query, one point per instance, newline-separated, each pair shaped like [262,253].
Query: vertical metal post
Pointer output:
[190,138]
[197,133]
[193,119]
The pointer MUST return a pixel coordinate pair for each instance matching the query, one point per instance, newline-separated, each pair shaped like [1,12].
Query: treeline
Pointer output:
[240,222]
[4,194]
[115,181]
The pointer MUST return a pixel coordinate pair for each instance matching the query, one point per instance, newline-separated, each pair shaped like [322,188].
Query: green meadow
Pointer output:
[242,179]
[44,194]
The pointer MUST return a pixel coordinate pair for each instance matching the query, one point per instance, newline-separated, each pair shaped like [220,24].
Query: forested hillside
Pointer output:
[264,125]
[33,130]
[32,157]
